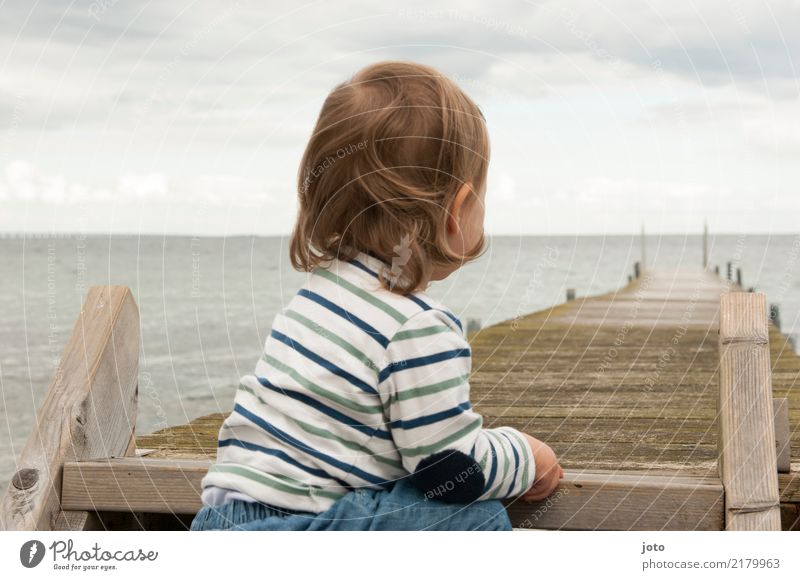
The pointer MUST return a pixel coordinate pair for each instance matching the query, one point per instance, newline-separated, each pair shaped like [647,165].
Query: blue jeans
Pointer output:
[402,508]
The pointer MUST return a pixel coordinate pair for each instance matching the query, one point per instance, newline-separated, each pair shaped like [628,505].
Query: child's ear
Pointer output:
[454,211]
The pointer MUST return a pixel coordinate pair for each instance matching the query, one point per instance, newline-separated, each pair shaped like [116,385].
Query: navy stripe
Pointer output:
[352,318]
[422,304]
[430,419]
[280,455]
[493,470]
[422,361]
[419,302]
[361,266]
[283,436]
[454,319]
[516,461]
[329,411]
[324,363]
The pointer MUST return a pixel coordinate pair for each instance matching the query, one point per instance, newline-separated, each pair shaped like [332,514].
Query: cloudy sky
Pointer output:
[190,117]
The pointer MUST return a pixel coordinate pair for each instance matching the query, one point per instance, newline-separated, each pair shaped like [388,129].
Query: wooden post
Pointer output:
[570,294]
[716,269]
[89,411]
[739,277]
[636,270]
[775,315]
[747,458]
[730,271]
[705,245]
[643,244]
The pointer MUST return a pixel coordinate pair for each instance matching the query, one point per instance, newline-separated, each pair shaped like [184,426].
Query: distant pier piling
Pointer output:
[643,246]
[473,325]
[775,315]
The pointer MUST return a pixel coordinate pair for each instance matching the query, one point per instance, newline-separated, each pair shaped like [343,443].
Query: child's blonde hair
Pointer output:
[390,149]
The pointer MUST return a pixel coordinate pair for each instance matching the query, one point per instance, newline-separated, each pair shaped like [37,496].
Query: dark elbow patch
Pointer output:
[450,476]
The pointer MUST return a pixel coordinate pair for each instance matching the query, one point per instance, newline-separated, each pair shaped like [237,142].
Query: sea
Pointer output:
[206,304]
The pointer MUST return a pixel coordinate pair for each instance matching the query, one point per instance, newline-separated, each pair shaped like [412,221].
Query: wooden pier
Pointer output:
[671,403]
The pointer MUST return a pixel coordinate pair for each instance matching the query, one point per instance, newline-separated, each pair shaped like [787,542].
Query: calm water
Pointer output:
[206,304]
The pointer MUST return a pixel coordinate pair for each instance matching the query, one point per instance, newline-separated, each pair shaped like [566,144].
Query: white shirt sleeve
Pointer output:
[424,387]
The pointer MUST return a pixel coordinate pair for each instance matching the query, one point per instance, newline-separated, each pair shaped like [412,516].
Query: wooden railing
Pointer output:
[89,411]
[80,462]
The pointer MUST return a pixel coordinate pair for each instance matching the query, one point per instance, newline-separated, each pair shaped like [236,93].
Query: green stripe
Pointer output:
[345,402]
[428,389]
[398,316]
[433,448]
[525,459]
[505,464]
[337,340]
[482,462]
[327,434]
[418,332]
[318,431]
[264,480]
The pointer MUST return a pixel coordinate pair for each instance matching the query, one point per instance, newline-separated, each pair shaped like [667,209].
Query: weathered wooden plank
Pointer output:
[587,500]
[625,501]
[747,460]
[134,484]
[627,380]
[89,410]
[789,485]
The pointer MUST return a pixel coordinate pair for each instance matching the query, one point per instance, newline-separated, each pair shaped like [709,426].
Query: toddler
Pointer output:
[358,414]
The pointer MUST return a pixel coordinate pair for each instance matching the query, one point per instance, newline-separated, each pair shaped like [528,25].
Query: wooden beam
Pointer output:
[134,484]
[584,500]
[608,500]
[747,459]
[89,410]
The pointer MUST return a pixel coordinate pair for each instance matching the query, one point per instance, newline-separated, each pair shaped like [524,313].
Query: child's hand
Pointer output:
[548,471]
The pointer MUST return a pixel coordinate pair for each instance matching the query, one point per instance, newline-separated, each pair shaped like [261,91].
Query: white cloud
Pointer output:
[19,181]
[633,192]
[776,132]
[23,182]
[504,188]
[140,187]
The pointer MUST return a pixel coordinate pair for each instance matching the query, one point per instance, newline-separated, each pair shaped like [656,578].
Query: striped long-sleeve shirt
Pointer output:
[358,387]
